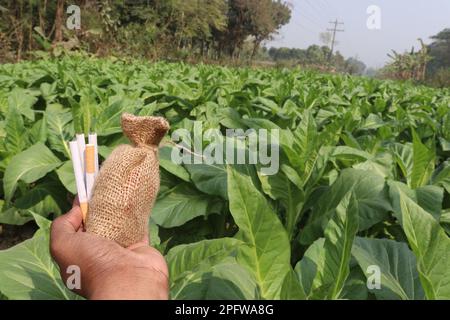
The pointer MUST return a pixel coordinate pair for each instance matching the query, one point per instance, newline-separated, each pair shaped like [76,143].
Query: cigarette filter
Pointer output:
[90,169]
[92,139]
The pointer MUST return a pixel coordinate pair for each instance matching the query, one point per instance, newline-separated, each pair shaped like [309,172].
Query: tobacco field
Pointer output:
[363,187]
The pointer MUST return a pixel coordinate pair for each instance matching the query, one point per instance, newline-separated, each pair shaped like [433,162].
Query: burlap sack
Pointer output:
[128,183]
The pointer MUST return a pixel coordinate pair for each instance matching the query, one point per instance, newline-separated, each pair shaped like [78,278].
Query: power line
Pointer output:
[310,19]
[318,12]
[331,6]
[335,29]
[326,7]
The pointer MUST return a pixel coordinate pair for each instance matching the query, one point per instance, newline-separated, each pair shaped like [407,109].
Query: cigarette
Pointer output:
[92,139]
[79,178]
[81,147]
[90,169]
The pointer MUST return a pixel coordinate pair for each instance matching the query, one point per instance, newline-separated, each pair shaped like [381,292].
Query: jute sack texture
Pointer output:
[128,183]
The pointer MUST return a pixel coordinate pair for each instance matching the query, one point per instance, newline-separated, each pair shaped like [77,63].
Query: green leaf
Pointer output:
[43,199]
[22,101]
[313,260]
[356,285]
[397,265]
[15,216]
[267,253]
[369,191]
[292,288]
[28,166]
[190,257]
[442,177]
[209,178]
[224,281]
[15,140]
[339,235]
[423,163]
[28,271]
[431,245]
[403,155]
[59,130]
[280,188]
[428,197]
[67,177]
[166,162]
[38,132]
[179,205]
[108,121]
[153,233]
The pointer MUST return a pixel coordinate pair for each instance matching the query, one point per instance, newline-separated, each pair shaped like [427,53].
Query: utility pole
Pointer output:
[335,29]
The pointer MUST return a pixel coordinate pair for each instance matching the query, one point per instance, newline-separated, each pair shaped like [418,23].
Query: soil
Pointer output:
[11,235]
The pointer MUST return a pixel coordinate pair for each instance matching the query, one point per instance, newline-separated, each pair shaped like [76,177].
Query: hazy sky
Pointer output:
[402,22]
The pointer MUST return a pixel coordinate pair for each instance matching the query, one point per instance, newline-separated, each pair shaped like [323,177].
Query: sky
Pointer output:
[396,24]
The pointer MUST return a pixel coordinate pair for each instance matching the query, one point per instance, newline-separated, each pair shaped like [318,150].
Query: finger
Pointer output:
[70,222]
[61,231]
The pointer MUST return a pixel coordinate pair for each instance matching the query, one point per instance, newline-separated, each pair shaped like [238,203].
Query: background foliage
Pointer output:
[364,179]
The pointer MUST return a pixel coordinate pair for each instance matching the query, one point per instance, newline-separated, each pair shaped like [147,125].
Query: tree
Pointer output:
[59,20]
[268,17]
[439,51]
[354,66]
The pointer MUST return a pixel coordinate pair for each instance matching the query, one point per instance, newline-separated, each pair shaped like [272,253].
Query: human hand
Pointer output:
[108,271]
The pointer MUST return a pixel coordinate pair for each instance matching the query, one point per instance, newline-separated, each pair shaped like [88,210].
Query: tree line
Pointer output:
[319,57]
[147,28]
[429,64]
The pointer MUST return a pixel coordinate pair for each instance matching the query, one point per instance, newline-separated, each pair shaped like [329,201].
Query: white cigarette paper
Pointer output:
[90,169]
[79,177]
[81,147]
[92,139]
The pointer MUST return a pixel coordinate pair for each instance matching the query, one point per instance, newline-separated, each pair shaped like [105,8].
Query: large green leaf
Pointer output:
[28,166]
[280,188]
[313,260]
[59,130]
[397,265]
[179,205]
[226,280]
[423,163]
[15,216]
[43,199]
[23,101]
[167,163]
[189,257]
[15,140]
[267,253]
[369,191]
[431,245]
[428,197]
[339,234]
[28,271]
[66,175]
[209,178]
[292,288]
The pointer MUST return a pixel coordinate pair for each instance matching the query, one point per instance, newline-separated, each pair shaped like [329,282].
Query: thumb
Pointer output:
[61,230]
[70,222]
